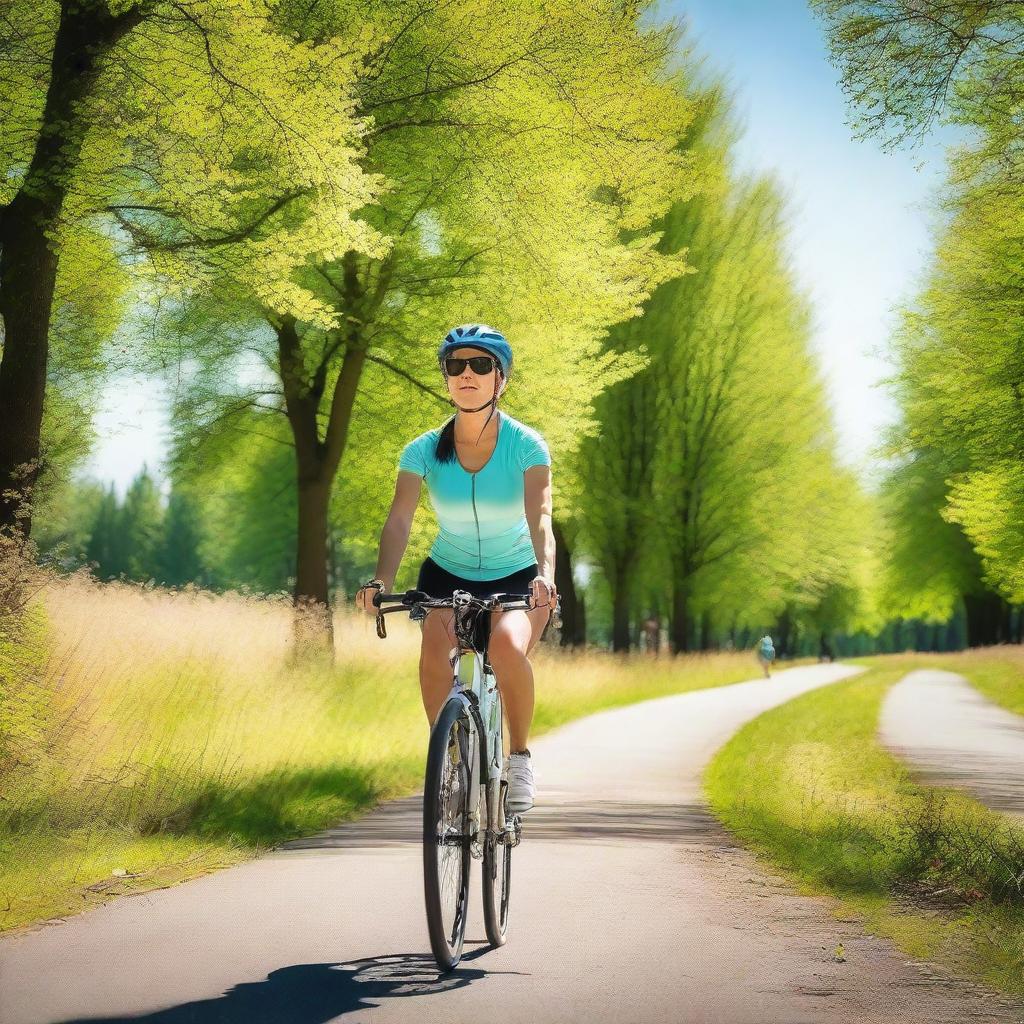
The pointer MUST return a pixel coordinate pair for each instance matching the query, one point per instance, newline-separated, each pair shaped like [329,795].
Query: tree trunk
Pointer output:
[317,463]
[573,621]
[620,613]
[313,620]
[1006,622]
[28,273]
[785,637]
[920,636]
[28,262]
[705,630]
[984,614]
[679,628]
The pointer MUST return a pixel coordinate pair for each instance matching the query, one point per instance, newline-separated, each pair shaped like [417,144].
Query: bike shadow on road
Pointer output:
[316,993]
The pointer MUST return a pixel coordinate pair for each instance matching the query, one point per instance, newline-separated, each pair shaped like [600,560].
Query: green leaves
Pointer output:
[955,500]
[711,489]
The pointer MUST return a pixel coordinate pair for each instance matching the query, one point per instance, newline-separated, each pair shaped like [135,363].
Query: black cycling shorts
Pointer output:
[438,582]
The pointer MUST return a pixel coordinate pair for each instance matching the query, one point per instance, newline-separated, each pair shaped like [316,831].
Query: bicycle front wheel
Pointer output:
[497,879]
[446,838]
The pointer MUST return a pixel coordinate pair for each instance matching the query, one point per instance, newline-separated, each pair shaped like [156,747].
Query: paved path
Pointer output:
[630,905]
[953,736]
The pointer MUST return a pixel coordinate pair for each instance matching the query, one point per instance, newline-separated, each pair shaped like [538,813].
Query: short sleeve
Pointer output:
[533,450]
[412,458]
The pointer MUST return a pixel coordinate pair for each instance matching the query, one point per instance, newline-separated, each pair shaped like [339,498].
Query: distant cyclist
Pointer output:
[489,481]
[766,654]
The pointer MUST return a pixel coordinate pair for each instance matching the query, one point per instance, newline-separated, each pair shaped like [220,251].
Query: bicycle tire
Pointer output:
[446,874]
[497,882]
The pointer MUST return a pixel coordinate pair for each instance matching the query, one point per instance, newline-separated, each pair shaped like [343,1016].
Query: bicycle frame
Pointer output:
[469,725]
[476,687]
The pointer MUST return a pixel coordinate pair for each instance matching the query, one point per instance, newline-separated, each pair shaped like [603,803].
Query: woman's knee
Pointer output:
[508,642]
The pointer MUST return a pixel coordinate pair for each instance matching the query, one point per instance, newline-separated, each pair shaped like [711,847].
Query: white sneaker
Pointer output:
[521,789]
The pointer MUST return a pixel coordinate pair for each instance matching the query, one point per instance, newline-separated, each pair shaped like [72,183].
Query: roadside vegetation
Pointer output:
[150,735]
[809,787]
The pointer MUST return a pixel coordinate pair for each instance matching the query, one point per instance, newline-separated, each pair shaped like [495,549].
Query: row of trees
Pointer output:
[733,513]
[377,172]
[954,500]
[705,491]
[139,538]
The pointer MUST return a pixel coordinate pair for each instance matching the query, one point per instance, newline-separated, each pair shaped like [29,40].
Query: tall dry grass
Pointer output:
[168,732]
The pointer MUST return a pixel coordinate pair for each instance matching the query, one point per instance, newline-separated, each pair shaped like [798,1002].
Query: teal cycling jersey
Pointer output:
[481,516]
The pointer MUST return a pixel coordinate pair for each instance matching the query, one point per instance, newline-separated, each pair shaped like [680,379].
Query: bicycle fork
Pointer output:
[483,709]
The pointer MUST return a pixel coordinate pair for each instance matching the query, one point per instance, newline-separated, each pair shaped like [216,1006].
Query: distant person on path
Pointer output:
[652,634]
[766,654]
[489,481]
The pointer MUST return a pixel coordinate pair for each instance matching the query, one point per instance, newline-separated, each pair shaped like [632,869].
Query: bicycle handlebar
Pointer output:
[412,599]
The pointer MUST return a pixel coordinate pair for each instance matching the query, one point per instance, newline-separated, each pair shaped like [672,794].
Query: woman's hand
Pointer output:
[543,592]
[364,597]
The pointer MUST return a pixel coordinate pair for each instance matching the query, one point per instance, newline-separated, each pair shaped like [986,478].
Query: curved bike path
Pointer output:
[953,736]
[630,904]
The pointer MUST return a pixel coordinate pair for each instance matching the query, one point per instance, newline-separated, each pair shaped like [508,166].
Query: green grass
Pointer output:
[808,787]
[159,736]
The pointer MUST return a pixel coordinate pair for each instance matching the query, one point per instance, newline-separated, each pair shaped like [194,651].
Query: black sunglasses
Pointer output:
[478,364]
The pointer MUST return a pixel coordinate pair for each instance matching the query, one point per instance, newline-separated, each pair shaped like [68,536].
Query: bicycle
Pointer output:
[464,807]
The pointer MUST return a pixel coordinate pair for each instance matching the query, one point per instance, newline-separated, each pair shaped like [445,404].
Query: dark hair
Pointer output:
[445,449]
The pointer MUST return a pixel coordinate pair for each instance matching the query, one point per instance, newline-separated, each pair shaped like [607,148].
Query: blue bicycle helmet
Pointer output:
[477,336]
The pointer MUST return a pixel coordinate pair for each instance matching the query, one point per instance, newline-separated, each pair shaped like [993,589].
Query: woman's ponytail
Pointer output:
[445,450]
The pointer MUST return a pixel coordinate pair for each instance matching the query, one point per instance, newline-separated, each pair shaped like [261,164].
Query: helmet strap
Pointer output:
[477,409]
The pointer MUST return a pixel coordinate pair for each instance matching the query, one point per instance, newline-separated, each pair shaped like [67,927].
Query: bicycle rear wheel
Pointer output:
[446,839]
[497,880]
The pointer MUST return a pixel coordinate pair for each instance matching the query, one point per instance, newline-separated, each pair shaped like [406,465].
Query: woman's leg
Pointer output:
[435,669]
[514,634]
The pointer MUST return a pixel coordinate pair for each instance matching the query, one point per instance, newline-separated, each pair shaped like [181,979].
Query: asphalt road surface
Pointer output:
[953,736]
[629,905]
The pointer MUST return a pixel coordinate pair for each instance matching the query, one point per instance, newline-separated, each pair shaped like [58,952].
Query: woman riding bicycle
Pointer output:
[489,481]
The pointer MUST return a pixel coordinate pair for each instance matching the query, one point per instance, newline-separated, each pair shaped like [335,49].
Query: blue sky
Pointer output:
[861,218]
[860,235]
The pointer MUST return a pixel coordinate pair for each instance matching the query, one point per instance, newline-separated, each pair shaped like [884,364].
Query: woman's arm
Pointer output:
[395,534]
[537,501]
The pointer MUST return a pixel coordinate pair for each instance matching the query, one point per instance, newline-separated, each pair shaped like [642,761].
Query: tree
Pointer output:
[177,559]
[141,525]
[908,64]
[617,464]
[106,547]
[108,110]
[711,489]
[519,143]
[959,352]
[744,425]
